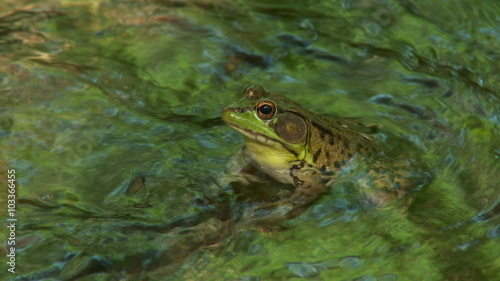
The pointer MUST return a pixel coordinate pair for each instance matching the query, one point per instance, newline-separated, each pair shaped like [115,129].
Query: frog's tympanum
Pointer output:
[306,151]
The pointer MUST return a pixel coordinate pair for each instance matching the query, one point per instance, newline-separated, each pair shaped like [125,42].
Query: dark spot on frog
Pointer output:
[336,164]
[325,172]
[316,155]
[296,180]
[323,131]
[359,148]
[331,141]
[327,154]
[346,145]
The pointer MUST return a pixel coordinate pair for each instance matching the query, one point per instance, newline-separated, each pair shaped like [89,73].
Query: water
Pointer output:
[96,97]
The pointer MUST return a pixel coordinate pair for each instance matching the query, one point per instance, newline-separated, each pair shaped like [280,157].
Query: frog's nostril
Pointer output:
[239,110]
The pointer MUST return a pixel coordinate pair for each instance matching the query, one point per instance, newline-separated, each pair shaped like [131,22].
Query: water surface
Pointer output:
[96,96]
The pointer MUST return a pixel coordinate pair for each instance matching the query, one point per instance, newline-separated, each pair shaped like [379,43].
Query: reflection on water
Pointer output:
[109,114]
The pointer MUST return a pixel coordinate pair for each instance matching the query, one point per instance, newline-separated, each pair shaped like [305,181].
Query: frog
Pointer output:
[291,158]
[305,151]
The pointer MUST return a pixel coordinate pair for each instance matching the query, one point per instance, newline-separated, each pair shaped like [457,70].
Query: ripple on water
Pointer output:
[303,270]
[351,262]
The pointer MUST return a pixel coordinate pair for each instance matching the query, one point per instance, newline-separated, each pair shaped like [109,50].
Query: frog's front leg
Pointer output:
[308,186]
[309,182]
[284,200]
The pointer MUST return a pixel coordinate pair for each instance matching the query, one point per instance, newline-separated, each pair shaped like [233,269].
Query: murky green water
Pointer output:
[95,95]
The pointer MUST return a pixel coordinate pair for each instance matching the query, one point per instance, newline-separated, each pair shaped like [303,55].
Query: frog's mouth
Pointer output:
[254,135]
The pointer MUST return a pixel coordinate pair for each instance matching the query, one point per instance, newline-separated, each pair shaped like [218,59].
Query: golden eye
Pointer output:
[266,109]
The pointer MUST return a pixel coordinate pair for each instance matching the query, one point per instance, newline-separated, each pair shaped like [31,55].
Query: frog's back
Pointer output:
[334,141]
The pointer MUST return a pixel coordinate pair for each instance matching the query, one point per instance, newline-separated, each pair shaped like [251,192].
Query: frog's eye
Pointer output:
[266,109]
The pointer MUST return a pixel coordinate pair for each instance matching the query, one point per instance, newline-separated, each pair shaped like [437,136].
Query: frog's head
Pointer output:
[271,125]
